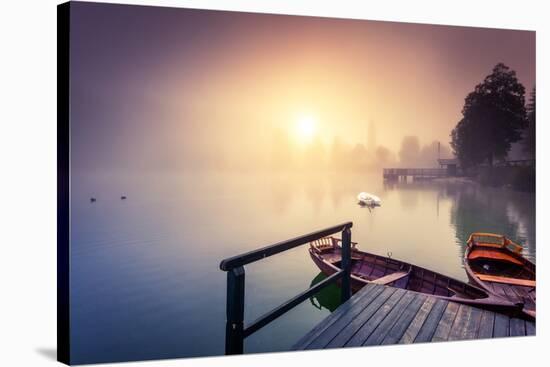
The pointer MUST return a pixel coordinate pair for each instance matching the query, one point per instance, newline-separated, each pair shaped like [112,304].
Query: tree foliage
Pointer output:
[493,118]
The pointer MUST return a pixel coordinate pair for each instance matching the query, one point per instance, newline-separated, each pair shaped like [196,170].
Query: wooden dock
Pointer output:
[378,315]
[414,173]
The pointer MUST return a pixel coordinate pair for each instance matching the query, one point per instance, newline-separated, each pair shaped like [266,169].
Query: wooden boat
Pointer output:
[494,263]
[371,268]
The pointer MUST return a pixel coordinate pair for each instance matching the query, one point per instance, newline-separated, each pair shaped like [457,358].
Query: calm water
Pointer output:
[145,277]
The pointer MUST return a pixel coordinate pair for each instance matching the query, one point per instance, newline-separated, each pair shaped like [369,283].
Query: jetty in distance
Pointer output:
[414,173]
[447,168]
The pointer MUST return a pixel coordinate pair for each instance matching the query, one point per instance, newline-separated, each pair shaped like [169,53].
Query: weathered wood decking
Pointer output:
[379,314]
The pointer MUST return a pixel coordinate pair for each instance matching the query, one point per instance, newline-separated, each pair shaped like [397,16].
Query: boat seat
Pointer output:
[506,280]
[486,244]
[322,245]
[493,255]
[390,278]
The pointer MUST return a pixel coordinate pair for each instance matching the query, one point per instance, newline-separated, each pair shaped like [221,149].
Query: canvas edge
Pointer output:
[63,184]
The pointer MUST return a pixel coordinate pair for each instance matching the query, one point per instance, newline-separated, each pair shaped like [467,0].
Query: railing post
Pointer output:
[346,264]
[234,336]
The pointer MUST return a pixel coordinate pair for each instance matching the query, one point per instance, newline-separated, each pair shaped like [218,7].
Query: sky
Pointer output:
[167,88]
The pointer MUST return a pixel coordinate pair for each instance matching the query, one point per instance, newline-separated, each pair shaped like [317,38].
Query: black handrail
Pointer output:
[255,255]
[235,332]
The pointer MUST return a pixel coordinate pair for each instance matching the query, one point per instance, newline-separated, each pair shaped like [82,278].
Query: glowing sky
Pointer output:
[164,87]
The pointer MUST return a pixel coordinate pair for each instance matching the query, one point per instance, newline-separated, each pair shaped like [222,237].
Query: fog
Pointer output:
[160,89]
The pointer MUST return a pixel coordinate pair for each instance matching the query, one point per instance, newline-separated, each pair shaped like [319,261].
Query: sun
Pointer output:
[306,127]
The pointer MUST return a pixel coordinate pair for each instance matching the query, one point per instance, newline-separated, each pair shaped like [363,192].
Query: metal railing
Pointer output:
[235,331]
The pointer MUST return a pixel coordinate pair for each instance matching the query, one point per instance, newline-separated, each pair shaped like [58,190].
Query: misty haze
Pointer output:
[228,131]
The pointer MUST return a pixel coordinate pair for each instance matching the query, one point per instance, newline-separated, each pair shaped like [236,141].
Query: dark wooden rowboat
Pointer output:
[494,263]
[371,268]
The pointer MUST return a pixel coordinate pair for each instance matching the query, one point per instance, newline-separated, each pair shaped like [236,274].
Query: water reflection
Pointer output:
[315,193]
[475,209]
[328,297]
[482,209]
[151,262]
[281,192]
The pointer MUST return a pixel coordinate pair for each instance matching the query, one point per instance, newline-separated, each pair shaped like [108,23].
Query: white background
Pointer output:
[28,182]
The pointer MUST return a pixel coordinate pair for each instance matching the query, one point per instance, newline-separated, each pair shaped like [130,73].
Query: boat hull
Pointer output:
[432,283]
[505,274]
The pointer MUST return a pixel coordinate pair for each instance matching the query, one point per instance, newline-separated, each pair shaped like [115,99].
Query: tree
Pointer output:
[493,118]
[410,150]
[529,139]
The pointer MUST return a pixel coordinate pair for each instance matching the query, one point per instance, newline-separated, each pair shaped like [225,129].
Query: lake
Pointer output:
[145,278]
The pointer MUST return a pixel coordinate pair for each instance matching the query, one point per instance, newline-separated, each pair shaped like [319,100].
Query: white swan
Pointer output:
[369,200]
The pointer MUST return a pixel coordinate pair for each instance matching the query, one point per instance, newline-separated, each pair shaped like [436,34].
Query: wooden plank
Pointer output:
[380,314]
[533,294]
[339,334]
[502,326]
[331,318]
[517,327]
[462,315]
[510,294]
[347,323]
[383,328]
[390,277]
[370,325]
[444,327]
[522,292]
[530,328]
[506,280]
[402,324]
[486,325]
[466,323]
[428,328]
[414,327]
[489,285]
[498,289]
[472,325]
[492,254]
[347,309]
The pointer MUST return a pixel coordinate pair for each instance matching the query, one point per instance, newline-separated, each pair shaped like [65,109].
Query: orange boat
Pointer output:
[494,263]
